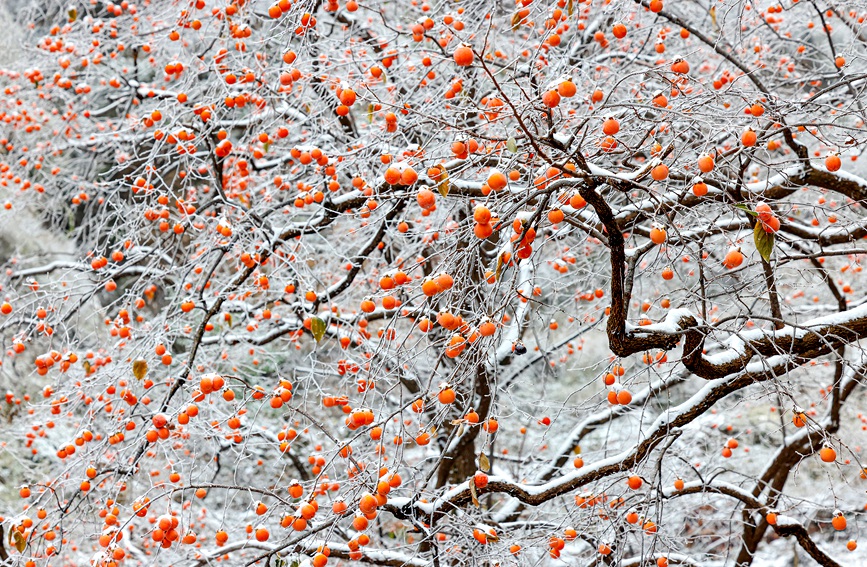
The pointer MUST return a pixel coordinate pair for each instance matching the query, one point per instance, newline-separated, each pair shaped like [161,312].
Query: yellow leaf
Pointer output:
[317,328]
[139,368]
[19,542]
[577,449]
[444,186]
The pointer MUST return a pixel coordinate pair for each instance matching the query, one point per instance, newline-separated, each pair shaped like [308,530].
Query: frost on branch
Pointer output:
[410,283]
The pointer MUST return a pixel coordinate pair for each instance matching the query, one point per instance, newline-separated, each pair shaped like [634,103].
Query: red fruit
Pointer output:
[764,211]
[705,163]
[463,56]
[619,30]
[771,225]
[425,199]
[660,172]
[496,181]
[680,67]
[610,127]
[657,235]
[733,259]
[480,479]
[567,89]
[551,98]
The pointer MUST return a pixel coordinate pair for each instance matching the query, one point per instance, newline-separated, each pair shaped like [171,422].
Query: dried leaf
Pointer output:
[474,494]
[444,185]
[764,242]
[461,428]
[139,368]
[570,8]
[317,327]
[492,536]
[516,21]
[577,449]
[370,113]
[484,463]
[499,270]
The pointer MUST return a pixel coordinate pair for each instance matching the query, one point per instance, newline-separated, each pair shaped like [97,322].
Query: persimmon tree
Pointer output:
[414,283]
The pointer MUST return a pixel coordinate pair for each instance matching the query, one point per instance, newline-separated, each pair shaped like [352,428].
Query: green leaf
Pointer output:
[747,210]
[512,145]
[764,241]
[267,146]
[317,327]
